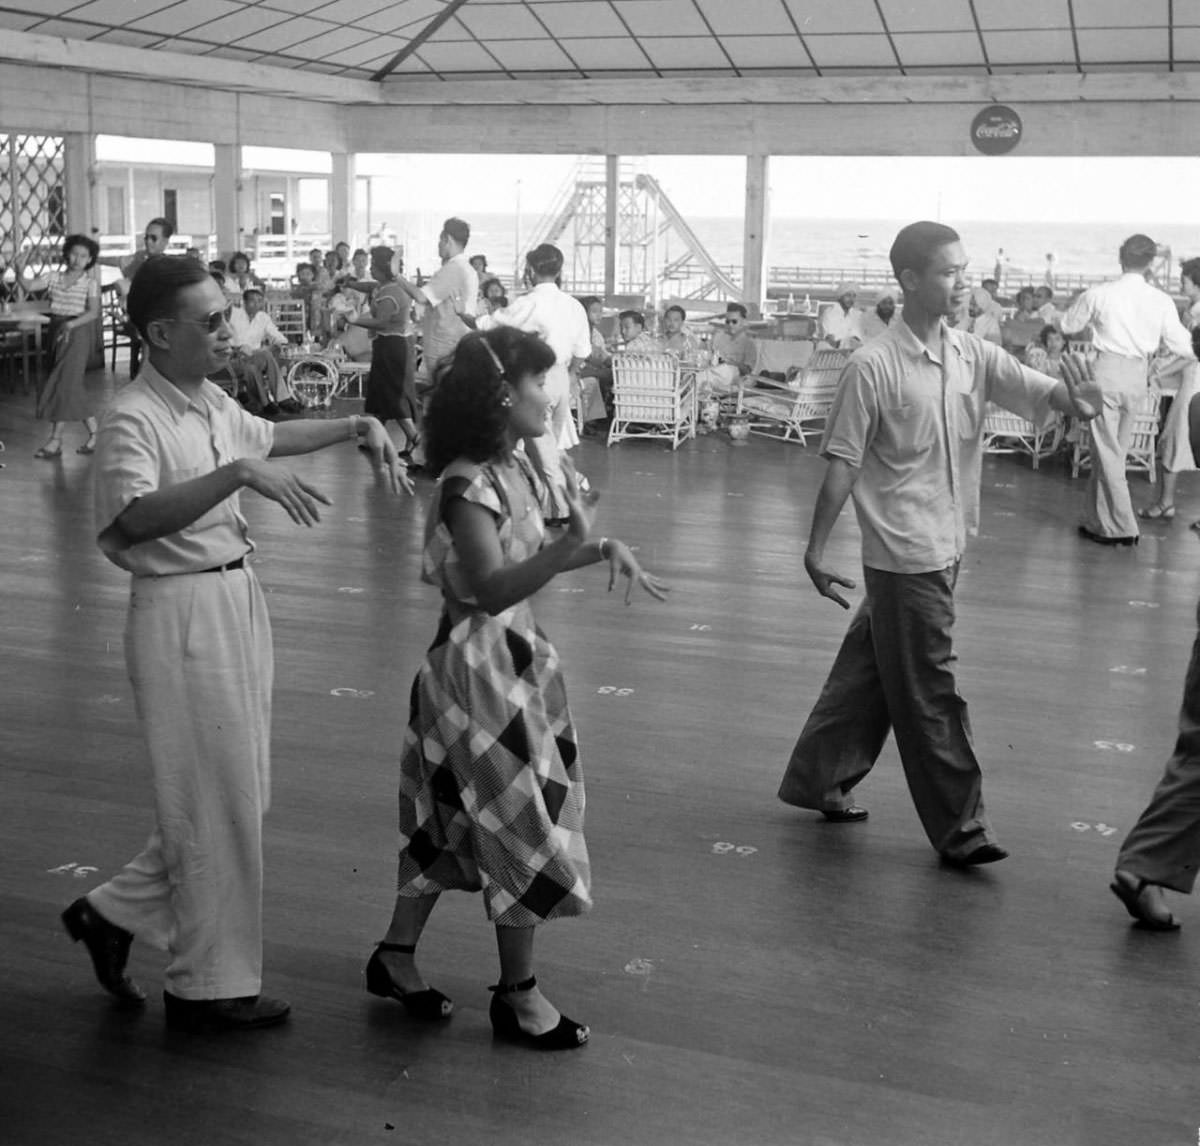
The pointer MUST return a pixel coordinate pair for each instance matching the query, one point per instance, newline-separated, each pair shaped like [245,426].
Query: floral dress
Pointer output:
[491,790]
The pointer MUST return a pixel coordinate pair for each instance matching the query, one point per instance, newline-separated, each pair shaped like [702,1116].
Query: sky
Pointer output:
[1002,188]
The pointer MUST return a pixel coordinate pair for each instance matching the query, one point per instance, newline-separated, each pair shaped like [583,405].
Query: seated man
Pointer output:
[634,338]
[734,352]
[253,364]
[1043,300]
[676,338]
[841,325]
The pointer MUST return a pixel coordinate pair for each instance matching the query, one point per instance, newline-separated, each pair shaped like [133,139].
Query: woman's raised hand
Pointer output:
[579,516]
[622,560]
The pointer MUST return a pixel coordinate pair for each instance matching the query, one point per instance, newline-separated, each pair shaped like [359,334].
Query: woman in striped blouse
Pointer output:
[74,311]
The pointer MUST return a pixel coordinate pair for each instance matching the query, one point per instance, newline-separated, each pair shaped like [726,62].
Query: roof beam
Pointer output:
[1014,88]
[178,68]
[420,38]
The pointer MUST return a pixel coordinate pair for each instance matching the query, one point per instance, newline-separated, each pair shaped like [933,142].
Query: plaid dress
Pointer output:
[491,790]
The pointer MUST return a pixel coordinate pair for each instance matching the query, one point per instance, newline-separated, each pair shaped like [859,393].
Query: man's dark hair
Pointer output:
[675,308]
[636,315]
[545,261]
[482,259]
[252,290]
[587,300]
[154,292]
[984,283]
[737,308]
[217,265]
[165,225]
[1191,268]
[1137,252]
[467,417]
[913,248]
[381,260]
[459,231]
[358,251]
[302,266]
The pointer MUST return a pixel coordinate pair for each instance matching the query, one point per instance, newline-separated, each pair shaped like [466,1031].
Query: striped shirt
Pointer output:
[71,301]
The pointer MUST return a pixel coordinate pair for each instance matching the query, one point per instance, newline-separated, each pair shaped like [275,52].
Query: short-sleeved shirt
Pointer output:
[913,427]
[560,319]
[442,328]
[521,527]
[71,301]
[152,437]
[739,350]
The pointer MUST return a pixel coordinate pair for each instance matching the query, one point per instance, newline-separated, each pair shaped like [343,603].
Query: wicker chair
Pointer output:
[652,398]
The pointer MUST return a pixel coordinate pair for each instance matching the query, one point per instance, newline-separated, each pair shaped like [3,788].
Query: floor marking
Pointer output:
[722,848]
[700,629]
[108,698]
[612,690]
[78,870]
[1144,604]
[1128,670]
[356,520]
[1102,829]
[1003,513]
[350,589]
[356,693]
[1113,745]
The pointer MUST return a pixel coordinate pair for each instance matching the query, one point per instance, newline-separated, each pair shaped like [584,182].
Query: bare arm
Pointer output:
[303,437]
[839,481]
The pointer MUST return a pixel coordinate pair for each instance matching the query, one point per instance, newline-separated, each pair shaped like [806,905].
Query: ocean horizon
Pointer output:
[846,244]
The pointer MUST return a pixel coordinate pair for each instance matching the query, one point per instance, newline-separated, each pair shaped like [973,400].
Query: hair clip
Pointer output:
[494,357]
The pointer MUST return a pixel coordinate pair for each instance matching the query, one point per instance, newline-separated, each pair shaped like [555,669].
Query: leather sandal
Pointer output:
[1157,512]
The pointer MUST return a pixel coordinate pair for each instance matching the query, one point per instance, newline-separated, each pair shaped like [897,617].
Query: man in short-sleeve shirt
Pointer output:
[905,438]
[453,287]
[173,453]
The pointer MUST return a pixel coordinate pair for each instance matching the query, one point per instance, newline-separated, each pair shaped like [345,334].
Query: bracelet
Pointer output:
[354,422]
[603,542]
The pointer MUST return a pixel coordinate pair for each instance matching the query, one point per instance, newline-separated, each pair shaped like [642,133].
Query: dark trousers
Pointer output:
[1164,845]
[895,672]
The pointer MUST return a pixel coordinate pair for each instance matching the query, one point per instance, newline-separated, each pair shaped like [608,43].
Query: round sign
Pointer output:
[996,130]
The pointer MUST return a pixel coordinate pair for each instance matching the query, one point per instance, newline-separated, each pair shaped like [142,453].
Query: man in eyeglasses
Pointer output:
[173,453]
[155,239]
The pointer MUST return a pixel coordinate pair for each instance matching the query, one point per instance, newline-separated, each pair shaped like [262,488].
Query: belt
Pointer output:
[225,568]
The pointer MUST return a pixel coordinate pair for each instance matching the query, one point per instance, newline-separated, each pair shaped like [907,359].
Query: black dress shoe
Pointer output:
[851,815]
[1100,539]
[246,1014]
[108,946]
[985,853]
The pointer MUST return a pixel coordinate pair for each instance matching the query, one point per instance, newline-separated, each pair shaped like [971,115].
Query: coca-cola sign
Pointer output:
[996,130]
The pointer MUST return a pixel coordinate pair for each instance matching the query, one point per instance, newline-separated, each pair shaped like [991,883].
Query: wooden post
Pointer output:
[754,237]
[612,192]
[227,179]
[79,158]
[341,200]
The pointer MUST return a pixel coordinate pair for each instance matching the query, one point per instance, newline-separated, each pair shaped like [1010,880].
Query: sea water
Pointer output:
[846,244]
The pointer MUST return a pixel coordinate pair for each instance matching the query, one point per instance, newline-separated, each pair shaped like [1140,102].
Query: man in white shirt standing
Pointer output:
[561,320]
[1130,321]
[454,281]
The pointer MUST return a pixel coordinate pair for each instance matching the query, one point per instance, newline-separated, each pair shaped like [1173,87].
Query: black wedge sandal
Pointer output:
[568,1035]
[428,1004]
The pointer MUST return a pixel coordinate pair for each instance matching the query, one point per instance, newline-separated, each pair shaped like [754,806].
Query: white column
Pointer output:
[341,200]
[227,199]
[754,236]
[612,239]
[79,158]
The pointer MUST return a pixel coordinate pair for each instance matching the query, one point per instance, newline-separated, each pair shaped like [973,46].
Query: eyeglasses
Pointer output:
[211,322]
[732,321]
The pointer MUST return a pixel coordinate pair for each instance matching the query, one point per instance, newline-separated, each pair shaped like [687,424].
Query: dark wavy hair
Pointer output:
[381,259]
[154,292]
[235,257]
[93,248]
[467,416]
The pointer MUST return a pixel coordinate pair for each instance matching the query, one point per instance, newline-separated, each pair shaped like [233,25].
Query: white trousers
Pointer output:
[547,450]
[198,648]
[1108,508]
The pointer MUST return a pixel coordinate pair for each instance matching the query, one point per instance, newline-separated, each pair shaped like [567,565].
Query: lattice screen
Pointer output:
[33,206]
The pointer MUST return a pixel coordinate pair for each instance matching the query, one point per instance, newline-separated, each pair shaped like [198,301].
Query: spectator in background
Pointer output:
[359,262]
[74,314]
[1026,305]
[841,325]
[479,265]
[155,240]
[1045,355]
[595,375]
[634,337]
[241,276]
[306,289]
[885,309]
[491,294]
[254,335]
[676,338]
[984,316]
[1043,301]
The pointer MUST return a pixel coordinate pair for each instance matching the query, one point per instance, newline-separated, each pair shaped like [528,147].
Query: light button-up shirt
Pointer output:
[153,437]
[913,426]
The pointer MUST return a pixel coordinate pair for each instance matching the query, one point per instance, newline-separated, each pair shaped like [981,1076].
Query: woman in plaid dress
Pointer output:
[491,792]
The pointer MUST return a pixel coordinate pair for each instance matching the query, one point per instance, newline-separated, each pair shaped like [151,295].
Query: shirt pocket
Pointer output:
[910,427]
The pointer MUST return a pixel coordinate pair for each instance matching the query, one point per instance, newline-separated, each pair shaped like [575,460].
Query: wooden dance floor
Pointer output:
[751,974]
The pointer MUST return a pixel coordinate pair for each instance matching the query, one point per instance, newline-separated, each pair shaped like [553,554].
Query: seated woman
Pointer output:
[595,375]
[1046,353]
[239,276]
